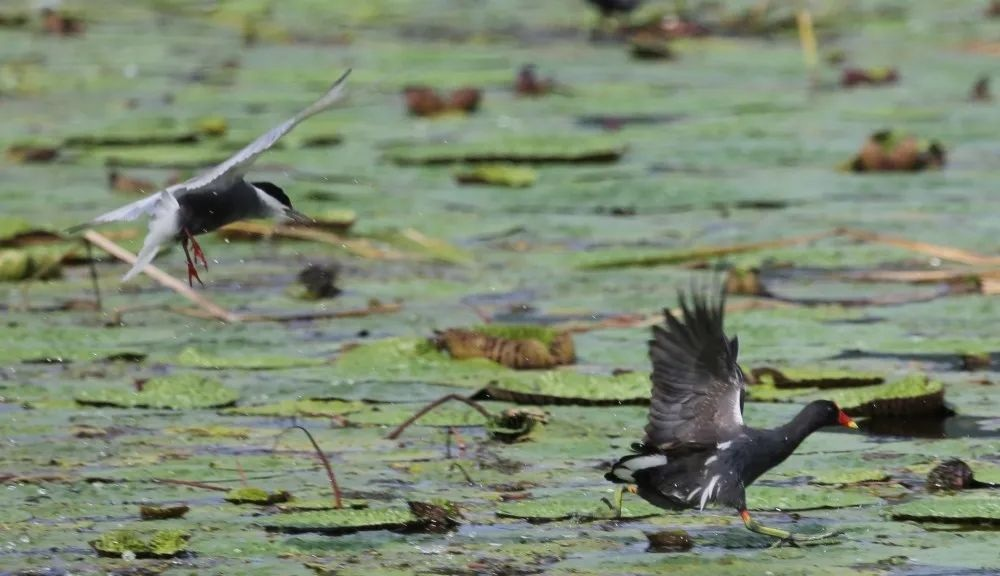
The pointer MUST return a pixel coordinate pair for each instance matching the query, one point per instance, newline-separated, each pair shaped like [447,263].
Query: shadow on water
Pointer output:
[932,427]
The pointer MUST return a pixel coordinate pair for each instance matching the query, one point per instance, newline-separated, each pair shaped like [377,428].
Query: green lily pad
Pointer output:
[188,157]
[158,544]
[543,334]
[194,358]
[179,392]
[838,476]
[957,509]
[254,495]
[912,395]
[321,504]
[815,377]
[787,499]
[412,360]
[452,414]
[290,408]
[566,387]
[583,507]
[528,150]
[498,175]
[162,512]
[343,521]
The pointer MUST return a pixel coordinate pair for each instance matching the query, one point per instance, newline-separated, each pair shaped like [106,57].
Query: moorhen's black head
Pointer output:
[274,191]
[822,413]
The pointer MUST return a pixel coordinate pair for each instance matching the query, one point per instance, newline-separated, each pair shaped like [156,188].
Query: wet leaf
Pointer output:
[194,358]
[343,521]
[807,498]
[179,392]
[565,387]
[583,507]
[550,150]
[909,396]
[256,496]
[506,175]
[162,512]
[957,509]
[159,544]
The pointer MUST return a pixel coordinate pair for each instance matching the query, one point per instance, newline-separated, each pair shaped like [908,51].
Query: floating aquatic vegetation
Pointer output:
[807,498]
[527,82]
[194,358]
[579,506]
[436,516]
[965,509]
[852,77]
[980,91]
[425,101]
[516,424]
[178,392]
[163,512]
[954,474]
[32,153]
[522,347]
[292,408]
[256,496]
[808,377]
[669,541]
[650,46]
[910,396]
[890,151]
[527,150]
[569,388]
[342,521]
[506,175]
[142,544]
[317,282]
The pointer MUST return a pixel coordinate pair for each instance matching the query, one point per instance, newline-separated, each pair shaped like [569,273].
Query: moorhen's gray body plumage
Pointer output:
[697,450]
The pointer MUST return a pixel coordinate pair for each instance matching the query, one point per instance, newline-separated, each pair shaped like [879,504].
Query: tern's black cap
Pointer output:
[274,191]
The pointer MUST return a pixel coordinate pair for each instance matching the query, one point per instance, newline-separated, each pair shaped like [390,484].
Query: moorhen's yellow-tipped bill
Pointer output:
[697,450]
[216,198]
[844,420]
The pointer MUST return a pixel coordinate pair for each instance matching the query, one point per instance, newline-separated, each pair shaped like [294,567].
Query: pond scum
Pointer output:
[503,203]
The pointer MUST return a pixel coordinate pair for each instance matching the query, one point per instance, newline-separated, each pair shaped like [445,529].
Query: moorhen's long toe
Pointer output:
[697,450]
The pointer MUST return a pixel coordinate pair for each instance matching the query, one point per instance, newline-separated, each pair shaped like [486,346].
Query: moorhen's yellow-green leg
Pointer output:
[784,535]
[620,495]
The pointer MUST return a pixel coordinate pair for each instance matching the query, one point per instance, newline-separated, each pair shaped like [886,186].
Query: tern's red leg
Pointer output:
[192,270]
[198,254]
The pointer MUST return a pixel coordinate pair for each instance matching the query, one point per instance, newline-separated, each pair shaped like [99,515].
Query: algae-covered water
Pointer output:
[634,179]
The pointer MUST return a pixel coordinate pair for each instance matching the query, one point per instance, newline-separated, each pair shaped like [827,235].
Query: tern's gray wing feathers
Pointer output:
[697,385]
[163,226]
[236,166]
[146,206]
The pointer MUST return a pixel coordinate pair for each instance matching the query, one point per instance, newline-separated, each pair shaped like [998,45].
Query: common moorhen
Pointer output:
[697,450]
[215,198]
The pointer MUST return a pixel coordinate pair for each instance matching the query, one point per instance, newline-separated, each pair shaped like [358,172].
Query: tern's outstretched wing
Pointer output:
[697,385]
[225,173]
[162,228]
[146,206]
[236,166]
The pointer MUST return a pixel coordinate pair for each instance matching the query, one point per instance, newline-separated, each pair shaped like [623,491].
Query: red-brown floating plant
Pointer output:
[851,77]
[529,84]
[424,101]
[981,90]
[886,151]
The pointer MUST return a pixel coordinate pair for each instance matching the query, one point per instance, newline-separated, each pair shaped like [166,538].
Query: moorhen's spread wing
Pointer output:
[697,385]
